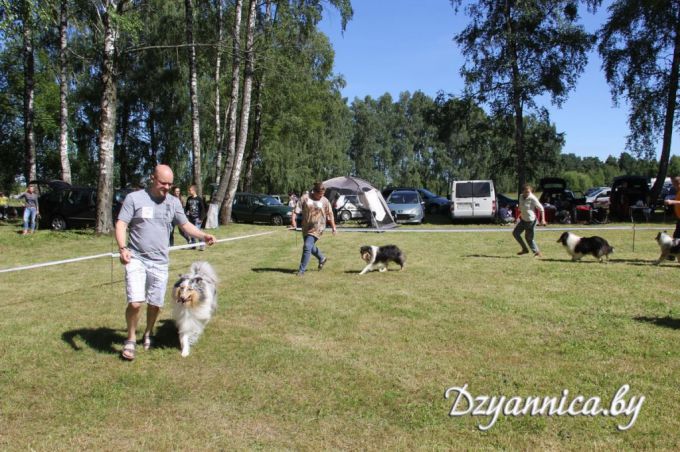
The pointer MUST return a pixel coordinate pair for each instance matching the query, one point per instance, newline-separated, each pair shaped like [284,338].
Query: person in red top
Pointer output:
[676,205]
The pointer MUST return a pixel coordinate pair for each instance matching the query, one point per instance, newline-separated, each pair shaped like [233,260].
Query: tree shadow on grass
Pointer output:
[100,339]
[274,270]
[666,322]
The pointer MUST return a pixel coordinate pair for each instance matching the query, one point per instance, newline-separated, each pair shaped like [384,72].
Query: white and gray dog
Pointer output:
[195,295]
[669,246]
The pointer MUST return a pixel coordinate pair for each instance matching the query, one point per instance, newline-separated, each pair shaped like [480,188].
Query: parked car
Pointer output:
[628,191]
[596,192]
[433,202]
[251,207]
[64,206]
[406,206]
[348,207]
[473,199]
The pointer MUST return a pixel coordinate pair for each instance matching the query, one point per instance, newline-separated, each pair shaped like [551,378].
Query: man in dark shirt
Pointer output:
[195,211]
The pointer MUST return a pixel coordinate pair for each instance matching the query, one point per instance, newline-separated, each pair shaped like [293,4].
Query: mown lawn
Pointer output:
[336,360]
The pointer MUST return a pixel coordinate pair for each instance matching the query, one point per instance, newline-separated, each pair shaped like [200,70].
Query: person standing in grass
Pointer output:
[316,213]
[676,205]
[31,209]
[195,211]
[4,203]
[177,193]
[526,222]
[148,215]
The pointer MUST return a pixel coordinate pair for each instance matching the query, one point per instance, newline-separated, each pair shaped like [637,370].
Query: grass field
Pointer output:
[336,360]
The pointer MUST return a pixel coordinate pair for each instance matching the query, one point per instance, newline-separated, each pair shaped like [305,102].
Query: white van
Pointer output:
[473,199]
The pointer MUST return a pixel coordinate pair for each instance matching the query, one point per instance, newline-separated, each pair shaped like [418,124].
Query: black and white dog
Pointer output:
[578,247]
[669,247]
[379,256]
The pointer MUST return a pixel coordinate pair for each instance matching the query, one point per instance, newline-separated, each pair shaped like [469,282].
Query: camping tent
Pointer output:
[377,212]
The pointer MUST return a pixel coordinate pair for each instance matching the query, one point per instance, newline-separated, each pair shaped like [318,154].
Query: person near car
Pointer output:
[292,200]
[195,211]
[316,214]
[143,225]
[177,193]
[676,205]
[4,203]
[526,222]
[31,209]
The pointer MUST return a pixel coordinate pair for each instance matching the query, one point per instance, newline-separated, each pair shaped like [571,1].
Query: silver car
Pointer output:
[406,206]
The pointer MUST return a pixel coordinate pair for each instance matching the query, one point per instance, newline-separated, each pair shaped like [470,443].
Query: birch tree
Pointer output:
[63,93]
[107,122]
[193,93]
[30,171]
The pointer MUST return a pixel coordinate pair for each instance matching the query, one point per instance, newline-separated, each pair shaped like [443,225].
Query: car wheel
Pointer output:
[434,209]
[58,223]
[277,220]
[345,215]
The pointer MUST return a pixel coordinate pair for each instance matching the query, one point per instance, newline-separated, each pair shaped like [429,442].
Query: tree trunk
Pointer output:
[153,139]
[123,149]
[63,92]
[193,92]
[29,94]
[217,202]
[245,109]
[218,66]
[670,116]
[516,102]
[257,132]
[257,140]
[107,125]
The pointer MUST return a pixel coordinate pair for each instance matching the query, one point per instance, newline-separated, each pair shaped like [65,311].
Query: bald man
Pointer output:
[149,216]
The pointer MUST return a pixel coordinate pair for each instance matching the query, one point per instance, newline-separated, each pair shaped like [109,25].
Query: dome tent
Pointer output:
[372,201]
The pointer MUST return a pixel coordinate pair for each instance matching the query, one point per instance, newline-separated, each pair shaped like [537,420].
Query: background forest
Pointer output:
[239,94]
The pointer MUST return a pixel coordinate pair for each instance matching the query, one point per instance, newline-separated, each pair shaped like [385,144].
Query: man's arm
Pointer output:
[121,238]
[189,229]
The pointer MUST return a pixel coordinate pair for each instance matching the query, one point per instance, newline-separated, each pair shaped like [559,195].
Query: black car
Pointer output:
[64,206]
[251,207]
[627,192]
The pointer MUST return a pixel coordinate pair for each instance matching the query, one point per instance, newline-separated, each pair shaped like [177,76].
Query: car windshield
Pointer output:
[270,201]
[427,193]
[403,197]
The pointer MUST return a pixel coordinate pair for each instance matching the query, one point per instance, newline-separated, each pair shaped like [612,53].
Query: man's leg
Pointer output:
[132,319]
[307,246]
[156,283]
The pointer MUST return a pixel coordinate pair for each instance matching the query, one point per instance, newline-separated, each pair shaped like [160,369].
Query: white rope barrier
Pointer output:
[115,255]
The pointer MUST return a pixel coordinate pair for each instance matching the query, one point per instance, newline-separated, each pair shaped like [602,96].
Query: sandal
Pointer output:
[128,352]
[146,341]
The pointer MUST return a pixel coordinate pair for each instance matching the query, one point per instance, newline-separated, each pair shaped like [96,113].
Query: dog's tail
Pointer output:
[205,270]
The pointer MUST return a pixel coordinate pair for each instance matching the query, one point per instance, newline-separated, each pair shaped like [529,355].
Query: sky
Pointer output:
[407,45]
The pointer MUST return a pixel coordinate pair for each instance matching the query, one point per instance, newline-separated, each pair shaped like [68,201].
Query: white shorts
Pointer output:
[146,281]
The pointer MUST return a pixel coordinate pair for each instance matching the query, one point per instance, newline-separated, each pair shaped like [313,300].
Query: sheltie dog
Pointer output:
[379,256]
[670,247]
[195,298]
[578,247]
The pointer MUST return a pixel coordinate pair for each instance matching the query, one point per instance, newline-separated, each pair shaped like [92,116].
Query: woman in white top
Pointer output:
[528,204]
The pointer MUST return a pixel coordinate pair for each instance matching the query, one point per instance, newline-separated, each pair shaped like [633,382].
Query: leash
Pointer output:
[115,255]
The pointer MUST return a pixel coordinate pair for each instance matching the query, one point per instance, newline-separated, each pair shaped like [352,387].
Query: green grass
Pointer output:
[337,360]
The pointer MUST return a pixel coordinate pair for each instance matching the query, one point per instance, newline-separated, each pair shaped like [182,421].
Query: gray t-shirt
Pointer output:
[31,199]
[150,222]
